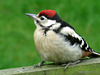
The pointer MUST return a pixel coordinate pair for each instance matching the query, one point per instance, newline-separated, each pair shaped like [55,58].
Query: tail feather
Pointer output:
[95,54]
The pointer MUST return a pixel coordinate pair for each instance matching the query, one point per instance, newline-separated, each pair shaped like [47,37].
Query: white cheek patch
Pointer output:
[48,23]
[55,26]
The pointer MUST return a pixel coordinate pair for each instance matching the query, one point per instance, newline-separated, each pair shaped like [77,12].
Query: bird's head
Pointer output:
[46,18]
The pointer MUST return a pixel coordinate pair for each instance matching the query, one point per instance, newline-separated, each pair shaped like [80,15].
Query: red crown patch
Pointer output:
[48,13]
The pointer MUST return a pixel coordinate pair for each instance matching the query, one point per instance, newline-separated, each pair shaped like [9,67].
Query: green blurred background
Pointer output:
[16,29]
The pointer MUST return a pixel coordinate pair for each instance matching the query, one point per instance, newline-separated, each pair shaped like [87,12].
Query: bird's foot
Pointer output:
[39,64]
[70,63]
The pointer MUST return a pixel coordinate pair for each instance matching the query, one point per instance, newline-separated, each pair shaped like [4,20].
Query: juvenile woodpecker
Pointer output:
[57,41]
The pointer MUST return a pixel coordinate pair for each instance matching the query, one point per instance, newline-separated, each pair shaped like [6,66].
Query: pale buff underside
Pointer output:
[54,48]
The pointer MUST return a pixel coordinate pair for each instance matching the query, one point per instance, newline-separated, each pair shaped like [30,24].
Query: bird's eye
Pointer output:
[42,18]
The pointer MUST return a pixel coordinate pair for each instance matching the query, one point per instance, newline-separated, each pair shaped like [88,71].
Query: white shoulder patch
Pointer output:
[67,30]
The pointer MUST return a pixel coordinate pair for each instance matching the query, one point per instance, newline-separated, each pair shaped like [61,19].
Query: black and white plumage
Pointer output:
[57,41]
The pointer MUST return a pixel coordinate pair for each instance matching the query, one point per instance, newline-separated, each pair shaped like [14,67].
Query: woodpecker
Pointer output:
[57,41]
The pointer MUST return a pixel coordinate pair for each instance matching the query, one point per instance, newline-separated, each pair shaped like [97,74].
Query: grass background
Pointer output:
[16,29]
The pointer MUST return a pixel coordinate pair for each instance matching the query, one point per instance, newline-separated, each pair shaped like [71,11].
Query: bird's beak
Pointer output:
[34,16]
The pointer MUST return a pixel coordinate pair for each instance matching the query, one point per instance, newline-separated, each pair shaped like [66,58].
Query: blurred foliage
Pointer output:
[16,29]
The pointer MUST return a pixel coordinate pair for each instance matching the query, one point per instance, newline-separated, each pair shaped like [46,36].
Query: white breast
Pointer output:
[54,48]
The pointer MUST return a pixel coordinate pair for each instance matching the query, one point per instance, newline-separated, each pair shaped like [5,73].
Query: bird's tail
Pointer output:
[95,54]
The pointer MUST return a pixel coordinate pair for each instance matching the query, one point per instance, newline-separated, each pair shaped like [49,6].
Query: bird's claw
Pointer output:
[38,65]
[35,66]
[71,63]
